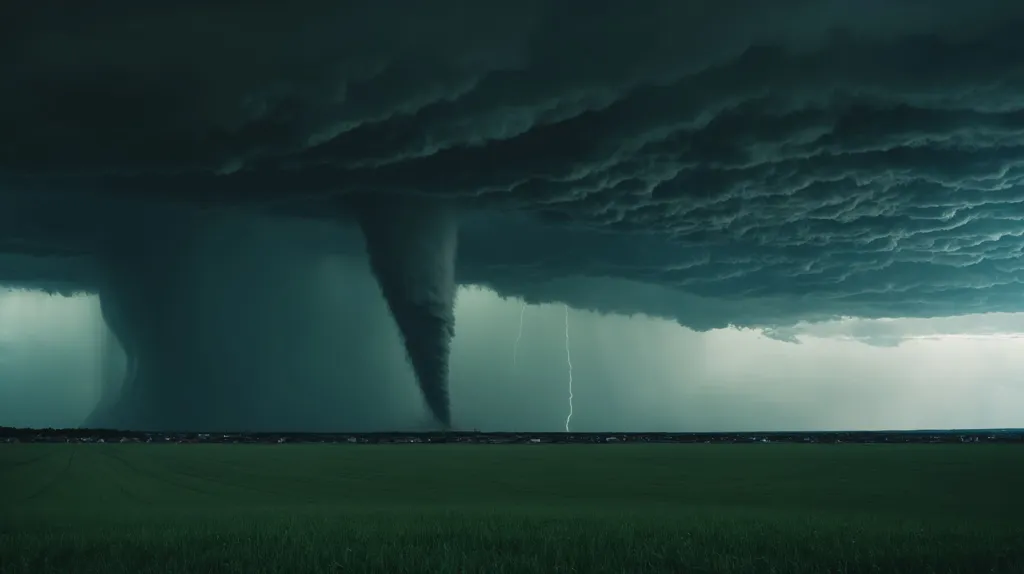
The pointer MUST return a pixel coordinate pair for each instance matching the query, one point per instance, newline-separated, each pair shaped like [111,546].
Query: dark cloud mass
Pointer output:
[719,162]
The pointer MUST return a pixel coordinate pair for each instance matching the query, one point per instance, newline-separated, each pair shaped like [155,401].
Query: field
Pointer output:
[786,508]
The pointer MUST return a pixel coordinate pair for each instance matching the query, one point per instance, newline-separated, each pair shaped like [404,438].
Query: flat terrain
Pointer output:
[935,436]
[545,508]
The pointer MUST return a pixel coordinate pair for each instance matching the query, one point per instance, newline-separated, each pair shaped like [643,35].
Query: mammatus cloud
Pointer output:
[824,158]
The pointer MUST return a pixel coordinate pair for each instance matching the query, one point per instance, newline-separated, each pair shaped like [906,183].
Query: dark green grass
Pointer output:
[255,509]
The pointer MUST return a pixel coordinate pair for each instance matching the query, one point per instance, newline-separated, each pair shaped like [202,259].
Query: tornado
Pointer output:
[412,242]
[142,304]
[116,372]
[243,322]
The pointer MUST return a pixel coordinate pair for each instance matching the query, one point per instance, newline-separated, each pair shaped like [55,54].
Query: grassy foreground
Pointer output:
[252,509]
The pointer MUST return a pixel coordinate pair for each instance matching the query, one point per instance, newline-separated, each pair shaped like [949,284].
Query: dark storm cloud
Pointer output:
[56,275]
[863,156]
[718,162]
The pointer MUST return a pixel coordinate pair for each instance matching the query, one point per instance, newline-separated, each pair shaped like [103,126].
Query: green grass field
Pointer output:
[136,508]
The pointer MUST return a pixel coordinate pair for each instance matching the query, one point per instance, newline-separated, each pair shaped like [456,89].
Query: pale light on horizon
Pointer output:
[630,373]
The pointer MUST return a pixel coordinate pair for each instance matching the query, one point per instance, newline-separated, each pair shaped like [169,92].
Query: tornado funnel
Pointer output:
[411,242]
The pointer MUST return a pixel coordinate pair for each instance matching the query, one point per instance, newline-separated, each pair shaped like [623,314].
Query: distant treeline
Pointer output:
[11,435]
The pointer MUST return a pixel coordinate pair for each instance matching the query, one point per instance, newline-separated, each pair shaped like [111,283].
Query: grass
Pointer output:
[253,509]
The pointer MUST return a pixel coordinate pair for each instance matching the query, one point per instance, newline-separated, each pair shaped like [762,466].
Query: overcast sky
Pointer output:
[629,373]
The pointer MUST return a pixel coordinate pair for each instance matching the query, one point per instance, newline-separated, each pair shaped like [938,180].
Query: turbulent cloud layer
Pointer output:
[715,161]
[863,154]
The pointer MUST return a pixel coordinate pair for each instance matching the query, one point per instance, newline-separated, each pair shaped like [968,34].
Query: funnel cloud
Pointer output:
[412,243]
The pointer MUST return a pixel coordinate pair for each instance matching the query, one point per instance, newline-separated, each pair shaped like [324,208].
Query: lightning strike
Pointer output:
[515,348]
[568,359]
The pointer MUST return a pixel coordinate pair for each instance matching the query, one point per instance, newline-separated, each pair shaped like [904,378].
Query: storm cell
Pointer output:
[247,324]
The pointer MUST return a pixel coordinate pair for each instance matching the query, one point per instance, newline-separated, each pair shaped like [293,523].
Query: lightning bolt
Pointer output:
[568,359]
[515,348]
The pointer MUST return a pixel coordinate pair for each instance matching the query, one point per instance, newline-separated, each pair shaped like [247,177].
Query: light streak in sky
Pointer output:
[568,359]
[515,348]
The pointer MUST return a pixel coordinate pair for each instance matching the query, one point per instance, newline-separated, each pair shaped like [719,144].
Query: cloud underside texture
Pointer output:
[814,159]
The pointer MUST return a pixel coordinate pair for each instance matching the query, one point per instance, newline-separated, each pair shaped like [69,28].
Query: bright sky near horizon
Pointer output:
[630,373]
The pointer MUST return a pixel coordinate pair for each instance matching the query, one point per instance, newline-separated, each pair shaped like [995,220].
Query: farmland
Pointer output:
[261,508]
